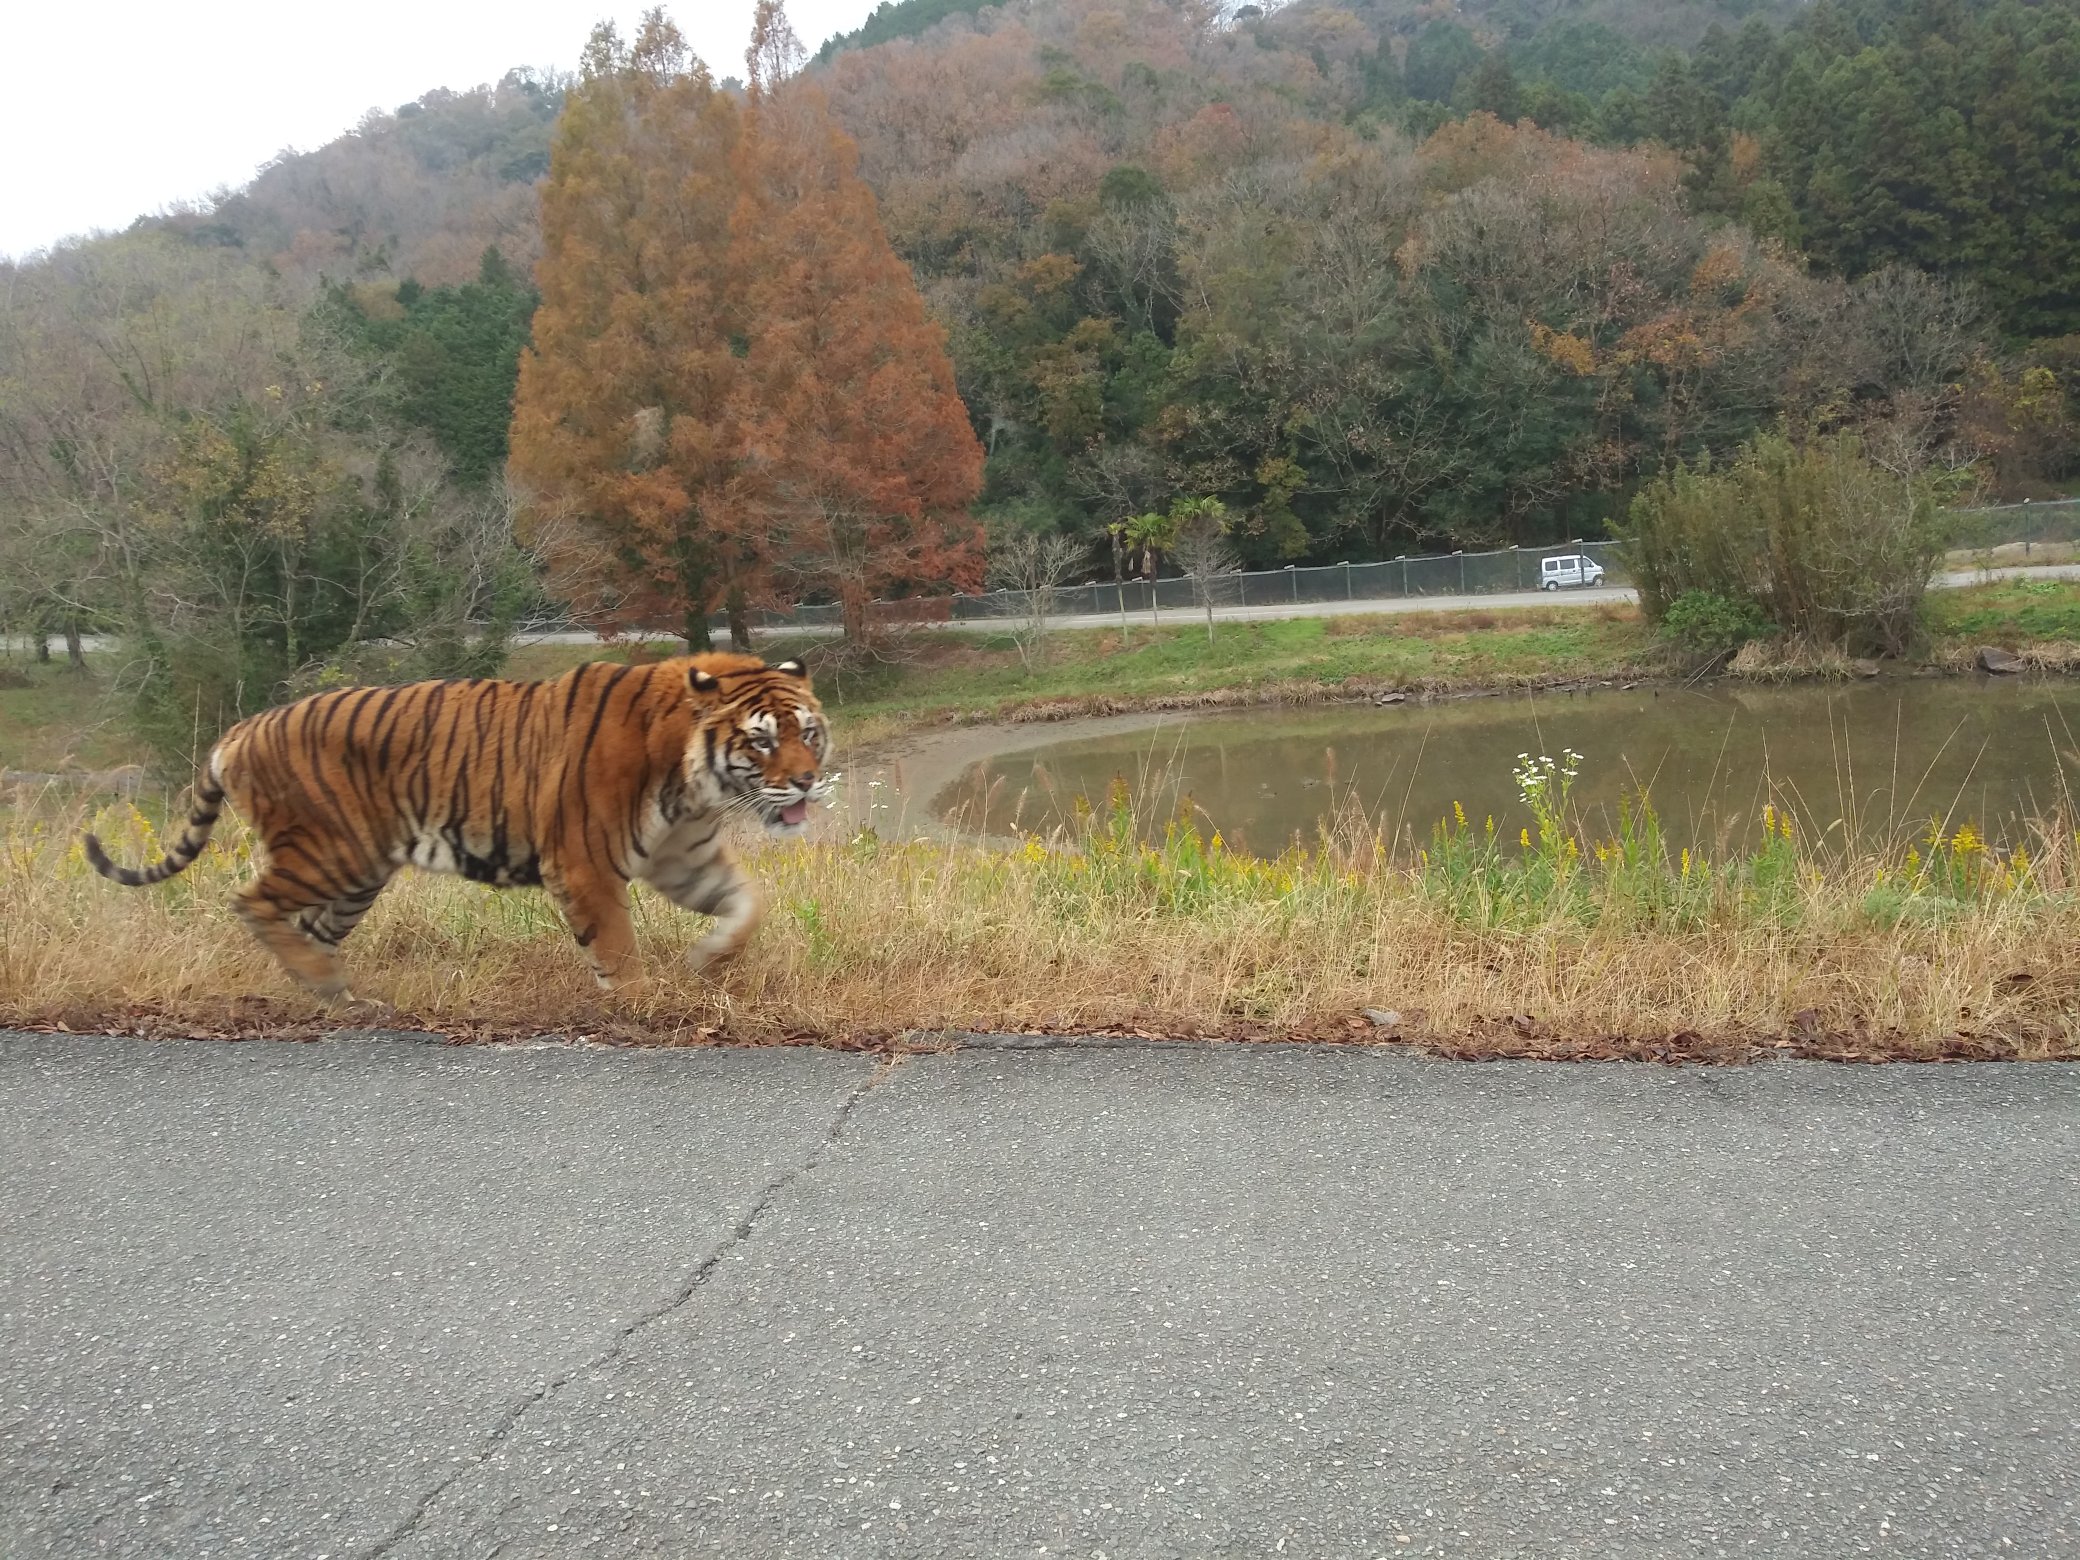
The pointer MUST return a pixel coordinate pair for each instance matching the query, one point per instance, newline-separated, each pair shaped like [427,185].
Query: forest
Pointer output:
[1362,278]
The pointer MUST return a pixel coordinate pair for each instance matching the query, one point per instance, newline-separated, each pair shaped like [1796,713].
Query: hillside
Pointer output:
[421,192]
[1381,275]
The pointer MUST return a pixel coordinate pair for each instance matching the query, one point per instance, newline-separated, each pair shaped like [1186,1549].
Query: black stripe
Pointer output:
[419,784]
[316,794]
[389,732]
[276,870]
[599,714]
[447,751]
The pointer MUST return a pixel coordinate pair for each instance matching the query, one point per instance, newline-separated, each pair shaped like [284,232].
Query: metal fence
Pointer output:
[2018,525]
[1502,572]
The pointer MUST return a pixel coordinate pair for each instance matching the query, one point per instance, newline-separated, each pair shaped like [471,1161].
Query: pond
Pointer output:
[1864,763]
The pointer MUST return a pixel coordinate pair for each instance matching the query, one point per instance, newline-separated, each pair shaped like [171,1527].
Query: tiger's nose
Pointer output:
[805,778]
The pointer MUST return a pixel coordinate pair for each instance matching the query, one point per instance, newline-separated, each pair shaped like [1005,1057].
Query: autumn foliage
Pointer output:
[735,396]
[858,463]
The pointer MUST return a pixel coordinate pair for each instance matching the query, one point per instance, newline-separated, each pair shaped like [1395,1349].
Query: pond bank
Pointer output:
[1299,663]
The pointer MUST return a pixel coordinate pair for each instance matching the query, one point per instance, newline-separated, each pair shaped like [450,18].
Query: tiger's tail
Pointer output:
[209,805]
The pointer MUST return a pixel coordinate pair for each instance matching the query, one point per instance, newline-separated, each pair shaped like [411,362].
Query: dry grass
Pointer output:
[2056,656]
[1792,660]
[1564,948]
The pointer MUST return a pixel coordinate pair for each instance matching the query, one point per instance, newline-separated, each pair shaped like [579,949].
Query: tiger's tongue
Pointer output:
[794,812]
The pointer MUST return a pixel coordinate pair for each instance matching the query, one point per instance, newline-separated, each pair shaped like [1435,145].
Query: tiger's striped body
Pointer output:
[605,776]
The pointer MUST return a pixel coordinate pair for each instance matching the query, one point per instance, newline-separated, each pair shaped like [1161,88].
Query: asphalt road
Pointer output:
[385,1298]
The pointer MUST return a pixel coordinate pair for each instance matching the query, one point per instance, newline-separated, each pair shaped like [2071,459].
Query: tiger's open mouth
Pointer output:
[786,808]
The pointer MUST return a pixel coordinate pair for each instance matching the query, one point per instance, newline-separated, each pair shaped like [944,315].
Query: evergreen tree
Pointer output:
[1437,57]
[1494,88]
[454,354]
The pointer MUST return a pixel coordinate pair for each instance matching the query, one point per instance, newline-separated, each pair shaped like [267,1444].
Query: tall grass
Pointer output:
[1553,941]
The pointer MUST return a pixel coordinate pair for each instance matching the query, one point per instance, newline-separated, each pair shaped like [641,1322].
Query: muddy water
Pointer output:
[1868,762]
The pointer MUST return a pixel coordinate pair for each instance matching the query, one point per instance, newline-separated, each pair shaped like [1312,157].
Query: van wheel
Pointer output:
[1550,585]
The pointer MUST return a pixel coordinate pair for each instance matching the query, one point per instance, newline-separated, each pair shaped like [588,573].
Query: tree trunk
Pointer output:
[739,619]
[852,609]
[695,632]
[692,562]
[43,644]
[1119,583]
[75,653]
[1207,595]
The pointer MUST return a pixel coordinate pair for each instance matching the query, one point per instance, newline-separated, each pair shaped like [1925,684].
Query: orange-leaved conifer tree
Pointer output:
[621,426]
[857,455]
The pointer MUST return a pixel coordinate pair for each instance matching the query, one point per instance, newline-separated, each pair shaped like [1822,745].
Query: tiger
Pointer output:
[581,784]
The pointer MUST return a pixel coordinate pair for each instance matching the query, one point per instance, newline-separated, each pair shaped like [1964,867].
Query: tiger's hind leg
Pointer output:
[334,921]
[330,924]
[596,906]
[286,912]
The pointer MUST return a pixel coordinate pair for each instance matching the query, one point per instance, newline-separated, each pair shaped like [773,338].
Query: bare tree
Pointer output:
[1919,333]
[1034,564]
[1200,549]
[1135,248]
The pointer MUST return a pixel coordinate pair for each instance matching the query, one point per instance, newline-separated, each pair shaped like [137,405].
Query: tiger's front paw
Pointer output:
[709,953]
[631,984]
[360,1012]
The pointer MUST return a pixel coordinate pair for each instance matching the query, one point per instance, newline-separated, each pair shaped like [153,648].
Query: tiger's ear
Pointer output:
[792,668]
[703,682]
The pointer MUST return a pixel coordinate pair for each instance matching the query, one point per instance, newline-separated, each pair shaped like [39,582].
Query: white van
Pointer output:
[1568,569]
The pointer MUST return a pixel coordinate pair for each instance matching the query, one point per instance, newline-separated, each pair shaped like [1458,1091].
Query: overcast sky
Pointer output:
[167,101]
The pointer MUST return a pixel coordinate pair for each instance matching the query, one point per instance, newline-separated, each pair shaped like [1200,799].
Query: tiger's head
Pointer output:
[762,736]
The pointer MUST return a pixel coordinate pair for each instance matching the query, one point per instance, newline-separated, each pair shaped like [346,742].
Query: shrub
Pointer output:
[1707,623]
[1829,546]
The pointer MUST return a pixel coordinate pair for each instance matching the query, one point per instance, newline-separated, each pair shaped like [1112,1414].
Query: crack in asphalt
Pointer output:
[742,1231]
